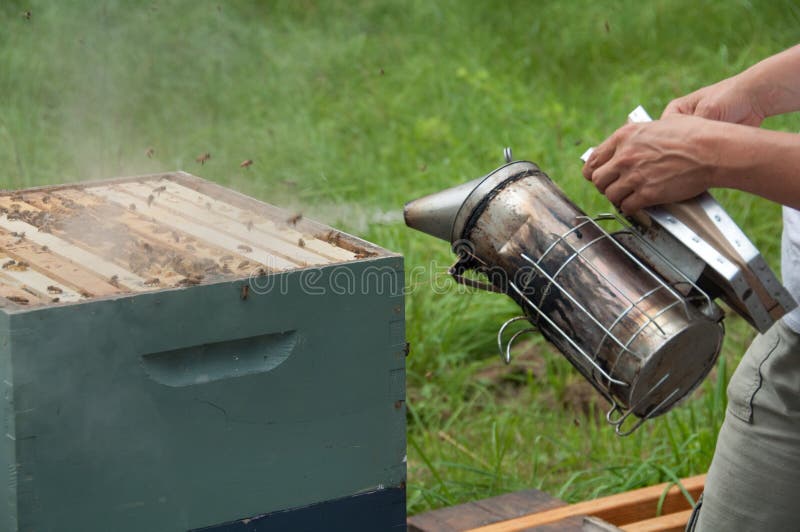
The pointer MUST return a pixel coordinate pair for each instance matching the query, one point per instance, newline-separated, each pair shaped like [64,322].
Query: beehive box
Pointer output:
[177,356]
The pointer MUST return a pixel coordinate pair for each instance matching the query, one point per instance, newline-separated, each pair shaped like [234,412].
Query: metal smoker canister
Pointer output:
[635,337]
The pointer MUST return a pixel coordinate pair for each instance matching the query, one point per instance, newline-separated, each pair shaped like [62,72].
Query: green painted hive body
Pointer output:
[206,397]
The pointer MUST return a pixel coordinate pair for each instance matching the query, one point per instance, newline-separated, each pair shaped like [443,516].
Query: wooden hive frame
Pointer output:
[68,243]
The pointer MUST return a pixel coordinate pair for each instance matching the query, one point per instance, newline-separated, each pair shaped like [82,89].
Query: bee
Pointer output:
[149,152]
[203,157]
[147,247]
[45,249]
[153,281]
[381,72]
[150,199]
[9,264]
[190,247]
[296,218]
[242,265]
[244,248]
[407,349]
[27,14]
[189,281]
[114,281]
[333,237]
[18,235]
[55,300]
[301,242]
[249,225]
[85,293]
[246,163]
[54,290]
[226,258]
[132,206]
[245,291]
[363,254]
[159,190]
[176,236]
[45,199]
[18,299]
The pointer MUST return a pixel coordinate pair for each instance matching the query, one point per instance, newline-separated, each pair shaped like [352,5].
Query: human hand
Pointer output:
[733,100]
[651,163]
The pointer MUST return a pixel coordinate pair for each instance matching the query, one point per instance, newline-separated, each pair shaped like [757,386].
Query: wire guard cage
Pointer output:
[643,342]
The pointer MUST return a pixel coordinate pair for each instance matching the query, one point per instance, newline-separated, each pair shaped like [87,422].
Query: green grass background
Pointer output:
[350,109]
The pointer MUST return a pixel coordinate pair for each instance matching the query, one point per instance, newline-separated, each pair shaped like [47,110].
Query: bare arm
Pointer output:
[762,162]
[704,140]
[680,156]
[770,87]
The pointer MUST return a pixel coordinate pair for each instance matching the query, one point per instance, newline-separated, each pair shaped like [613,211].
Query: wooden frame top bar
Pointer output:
[70,243]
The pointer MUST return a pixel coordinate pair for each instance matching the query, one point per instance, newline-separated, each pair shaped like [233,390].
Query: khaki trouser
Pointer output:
[753,483]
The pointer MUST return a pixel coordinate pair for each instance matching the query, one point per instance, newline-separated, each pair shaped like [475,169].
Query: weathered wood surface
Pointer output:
[531,510]
[139,234]
[492,510]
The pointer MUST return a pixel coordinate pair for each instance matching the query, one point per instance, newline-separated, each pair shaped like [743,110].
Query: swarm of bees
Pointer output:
[203,157]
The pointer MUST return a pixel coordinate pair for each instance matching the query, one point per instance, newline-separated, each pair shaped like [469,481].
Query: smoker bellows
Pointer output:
[631,306]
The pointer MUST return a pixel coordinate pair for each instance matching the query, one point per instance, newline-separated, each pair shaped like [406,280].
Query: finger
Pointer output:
[605,176]
[587,171]
[632,203]
[680,106]
[709,109]
[618,191]
[603,152]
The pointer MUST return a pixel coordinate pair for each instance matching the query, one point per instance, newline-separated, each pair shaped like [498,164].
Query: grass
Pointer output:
[348,110]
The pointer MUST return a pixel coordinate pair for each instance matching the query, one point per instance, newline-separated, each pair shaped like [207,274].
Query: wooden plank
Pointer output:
[259,222]
[56,266]
[231,244]
[74,253]
[210,217]
[619,509]
[181,255]
[43,285]
[479,513]
[674,522]
[18,296]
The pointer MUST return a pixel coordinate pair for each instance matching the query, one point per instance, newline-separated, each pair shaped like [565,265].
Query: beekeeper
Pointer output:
[711,139]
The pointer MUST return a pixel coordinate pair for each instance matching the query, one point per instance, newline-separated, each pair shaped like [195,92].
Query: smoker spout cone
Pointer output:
[436,213]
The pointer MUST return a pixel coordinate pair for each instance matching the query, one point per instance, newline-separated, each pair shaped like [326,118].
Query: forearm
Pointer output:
[758,161]
[775,82]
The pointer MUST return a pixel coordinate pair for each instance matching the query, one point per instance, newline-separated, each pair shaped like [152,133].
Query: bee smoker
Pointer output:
[632,309]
